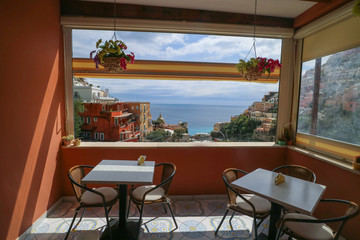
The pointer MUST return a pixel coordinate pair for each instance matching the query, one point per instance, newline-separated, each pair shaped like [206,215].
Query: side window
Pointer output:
[95,119]
[102,136]
[329,104]
[88,120]
[96,135]
[116,121]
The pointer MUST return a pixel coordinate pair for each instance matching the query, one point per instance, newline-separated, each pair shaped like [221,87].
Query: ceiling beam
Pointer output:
[131,11]
[317,11]
[323,1]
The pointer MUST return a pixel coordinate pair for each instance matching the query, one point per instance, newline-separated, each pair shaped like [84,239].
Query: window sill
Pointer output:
[333,161]
[173,144]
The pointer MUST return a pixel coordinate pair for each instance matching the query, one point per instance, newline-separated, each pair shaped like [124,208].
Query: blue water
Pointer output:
[200,118]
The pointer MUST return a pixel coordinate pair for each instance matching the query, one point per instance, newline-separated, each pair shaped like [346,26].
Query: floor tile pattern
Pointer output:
[196,218]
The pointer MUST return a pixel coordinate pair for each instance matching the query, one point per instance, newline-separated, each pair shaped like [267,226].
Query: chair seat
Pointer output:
[314,231]
[89,198]
[261,205]
[139,192]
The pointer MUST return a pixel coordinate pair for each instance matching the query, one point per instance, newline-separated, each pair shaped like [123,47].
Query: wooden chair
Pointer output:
[297,171]
[247,204]
[302,227]
[150,194]
[97,197]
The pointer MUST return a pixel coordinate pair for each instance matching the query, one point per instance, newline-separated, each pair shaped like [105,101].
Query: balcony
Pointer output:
[197,218]
[34,166]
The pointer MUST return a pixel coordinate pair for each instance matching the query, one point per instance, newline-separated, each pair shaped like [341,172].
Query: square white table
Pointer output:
[122,173]
[294,194]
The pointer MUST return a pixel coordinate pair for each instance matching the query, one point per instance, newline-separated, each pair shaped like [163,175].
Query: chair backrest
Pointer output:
[297,171]
[168,172]
[230,175]
[351,211]
[76,174]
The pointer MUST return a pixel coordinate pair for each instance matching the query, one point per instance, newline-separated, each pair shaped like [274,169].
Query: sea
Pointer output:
[200,118]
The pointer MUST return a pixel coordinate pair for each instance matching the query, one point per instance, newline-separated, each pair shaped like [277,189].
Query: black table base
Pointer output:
[129,232]
[123,228]
[275,215]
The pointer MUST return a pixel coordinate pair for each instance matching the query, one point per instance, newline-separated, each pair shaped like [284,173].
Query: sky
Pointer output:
[182,47]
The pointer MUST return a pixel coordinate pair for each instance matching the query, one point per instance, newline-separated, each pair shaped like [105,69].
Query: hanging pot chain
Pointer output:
[114,35]
[254,36]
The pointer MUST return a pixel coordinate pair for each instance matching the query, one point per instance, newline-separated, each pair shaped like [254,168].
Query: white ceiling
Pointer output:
[275,8]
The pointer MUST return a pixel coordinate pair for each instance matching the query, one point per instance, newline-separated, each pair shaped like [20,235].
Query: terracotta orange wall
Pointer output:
[340,184]
[32,115]
[199,169]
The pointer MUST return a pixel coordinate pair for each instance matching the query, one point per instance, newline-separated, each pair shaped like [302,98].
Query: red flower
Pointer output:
[132,57]
[123,63]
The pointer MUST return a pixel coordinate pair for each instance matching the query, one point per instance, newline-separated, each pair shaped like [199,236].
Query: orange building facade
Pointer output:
[109,122]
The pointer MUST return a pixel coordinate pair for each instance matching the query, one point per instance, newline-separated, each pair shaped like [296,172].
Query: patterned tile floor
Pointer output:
[196,218]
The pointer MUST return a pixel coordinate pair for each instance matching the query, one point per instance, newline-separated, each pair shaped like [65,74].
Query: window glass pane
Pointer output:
[171,110]
[330,97]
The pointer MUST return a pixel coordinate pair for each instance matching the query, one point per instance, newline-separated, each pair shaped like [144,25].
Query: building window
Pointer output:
[116,121]
[95,119]
[137,107]
[96,135]
[102,136]
[144,108]
[329,105]
[88,120]
[103,108]
[82,119]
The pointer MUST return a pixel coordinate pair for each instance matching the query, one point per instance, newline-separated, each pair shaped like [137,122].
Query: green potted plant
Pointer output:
[111,55]
[252,69]
[356,163]
[67,140]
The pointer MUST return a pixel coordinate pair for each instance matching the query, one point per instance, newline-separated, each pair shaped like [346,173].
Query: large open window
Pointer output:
[181,108]
[329,100]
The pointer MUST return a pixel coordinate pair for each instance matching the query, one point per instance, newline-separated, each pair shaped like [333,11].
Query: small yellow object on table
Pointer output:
[141,160]
[279,179]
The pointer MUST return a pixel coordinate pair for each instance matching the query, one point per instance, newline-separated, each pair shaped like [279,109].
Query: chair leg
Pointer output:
[128,210]
[82,214]
[141,212]
[232,215]
[255,229]
[172,215]
[72,222]
[164,207]
[221,222]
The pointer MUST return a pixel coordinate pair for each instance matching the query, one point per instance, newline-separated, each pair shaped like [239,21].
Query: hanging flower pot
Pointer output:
[111,55]
[252,69]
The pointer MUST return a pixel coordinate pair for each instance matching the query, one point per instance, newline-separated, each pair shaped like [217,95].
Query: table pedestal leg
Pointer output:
[122,204]
[124,229]
[275,215]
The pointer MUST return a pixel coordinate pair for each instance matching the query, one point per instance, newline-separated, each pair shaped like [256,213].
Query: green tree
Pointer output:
[178,134]
[78,107]
[241,129]
[158,136]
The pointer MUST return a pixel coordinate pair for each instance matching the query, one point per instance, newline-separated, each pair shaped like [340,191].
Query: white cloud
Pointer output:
[180,47]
